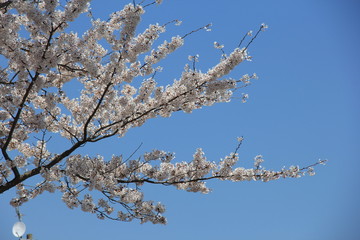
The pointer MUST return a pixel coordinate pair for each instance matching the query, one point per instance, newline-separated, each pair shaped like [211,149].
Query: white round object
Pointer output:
[19,229]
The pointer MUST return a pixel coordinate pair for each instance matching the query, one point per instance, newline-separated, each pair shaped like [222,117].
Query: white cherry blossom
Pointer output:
[106,61]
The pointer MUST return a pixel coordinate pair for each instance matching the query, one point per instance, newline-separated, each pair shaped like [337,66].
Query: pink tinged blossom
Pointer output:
[114,69]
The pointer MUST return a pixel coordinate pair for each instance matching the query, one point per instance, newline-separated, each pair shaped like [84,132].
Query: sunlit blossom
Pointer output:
[114,69]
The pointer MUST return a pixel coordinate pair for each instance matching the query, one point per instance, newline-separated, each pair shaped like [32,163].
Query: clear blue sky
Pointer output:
[304,107]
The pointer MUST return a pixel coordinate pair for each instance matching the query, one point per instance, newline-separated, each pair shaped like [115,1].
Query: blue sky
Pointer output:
[304,107]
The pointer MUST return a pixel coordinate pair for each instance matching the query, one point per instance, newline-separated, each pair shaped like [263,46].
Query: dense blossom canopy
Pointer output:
[39,55]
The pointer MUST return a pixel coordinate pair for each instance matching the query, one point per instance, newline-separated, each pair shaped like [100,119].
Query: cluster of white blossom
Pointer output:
[107,61]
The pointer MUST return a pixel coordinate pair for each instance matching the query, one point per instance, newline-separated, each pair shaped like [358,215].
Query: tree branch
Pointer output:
[37,170]
[95,110]
[5,5]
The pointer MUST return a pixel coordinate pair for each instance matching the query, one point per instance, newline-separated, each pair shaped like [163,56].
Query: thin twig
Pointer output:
[193,31]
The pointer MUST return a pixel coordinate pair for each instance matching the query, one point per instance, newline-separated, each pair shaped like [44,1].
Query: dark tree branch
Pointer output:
[5,5]
[37,170]
[95,109]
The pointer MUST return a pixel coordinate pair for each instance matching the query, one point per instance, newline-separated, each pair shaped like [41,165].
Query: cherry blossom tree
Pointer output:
[115,67]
